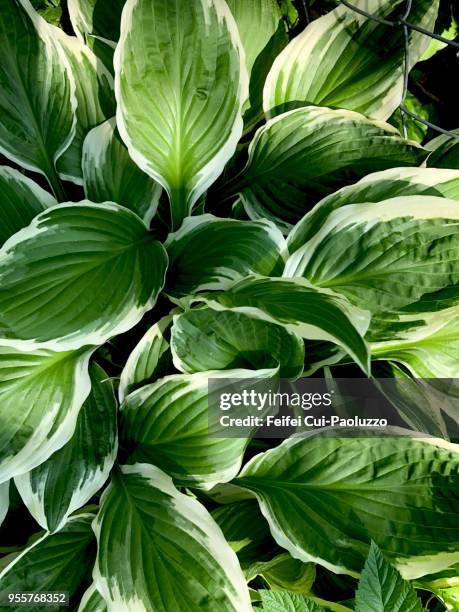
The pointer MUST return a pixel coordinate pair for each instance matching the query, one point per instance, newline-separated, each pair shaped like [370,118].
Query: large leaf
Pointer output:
[92,601]
[284,573]
[211,253]
[149,360]
[111,175]
[326,497]
[167,424]
[95,98]
[21,201]
[41,393]
[4,499]
[73,474]
[208,339]
[347,60]
[180,116]
[283,601]
[37,101]
[58,562]
[445,151]
[382,589]
[386,255]
[96,17]
[98,258]
[376,187]
[305,154]
[160,549]
[312,313]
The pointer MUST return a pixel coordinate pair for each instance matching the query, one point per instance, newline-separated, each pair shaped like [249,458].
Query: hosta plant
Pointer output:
[197,189]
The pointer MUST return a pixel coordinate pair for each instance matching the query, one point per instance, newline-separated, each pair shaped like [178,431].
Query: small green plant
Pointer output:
[196,189]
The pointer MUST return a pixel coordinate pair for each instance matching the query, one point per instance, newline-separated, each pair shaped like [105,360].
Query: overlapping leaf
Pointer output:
[96,18]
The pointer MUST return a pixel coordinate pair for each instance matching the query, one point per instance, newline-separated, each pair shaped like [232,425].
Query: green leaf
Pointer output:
[159,549]
[310,312]
[4,499]
[325,498]
[376,187]
[92,601]
[347,60]
[167,424]
[110,174]
[69,255]
[41,394]
[427,344]
[21,201]
[257,21]
[96,17]
[37,121]
[183,137]
[73,474]
[50,10]
[415,130]
[56,562]
[95,98]
[303,155]
[386,255]
[284,573]
[382,589]
[207,339]
[149,360]
[211,253]
[283,601]
[445,151]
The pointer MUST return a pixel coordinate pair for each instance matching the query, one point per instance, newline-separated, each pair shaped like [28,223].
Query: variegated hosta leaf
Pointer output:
[348,61]
[96,18]
[382,589]
[207,339]
[74,473]
[160,550]
[167,424]
[305,154]
[376,187]
[95,98]
[92,601]
[284,573]
[41,393]
[427,344]
[21,200]
[110,175]
[326,498]
[386,255]
[181,116]
[445,151]
[211,253]
[310,312]
[37,101]
[150,359]
[98,258]
[56,562]
[4,499]
[257,22]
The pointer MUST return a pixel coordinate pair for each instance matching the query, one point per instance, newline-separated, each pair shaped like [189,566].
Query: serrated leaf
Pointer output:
[72,475]
[167,424]
[325,498]
[211,253]
[310,312]
[305,154]
[183,137]
[21,201]
[57,562]
[41,393]
[376,187]
[283,601]
[159,549]
[382,589]
[95,101]
[68,255]
[37,101]
[109,174]
[384,256]
[150,359]
[338,61]
[208,339]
